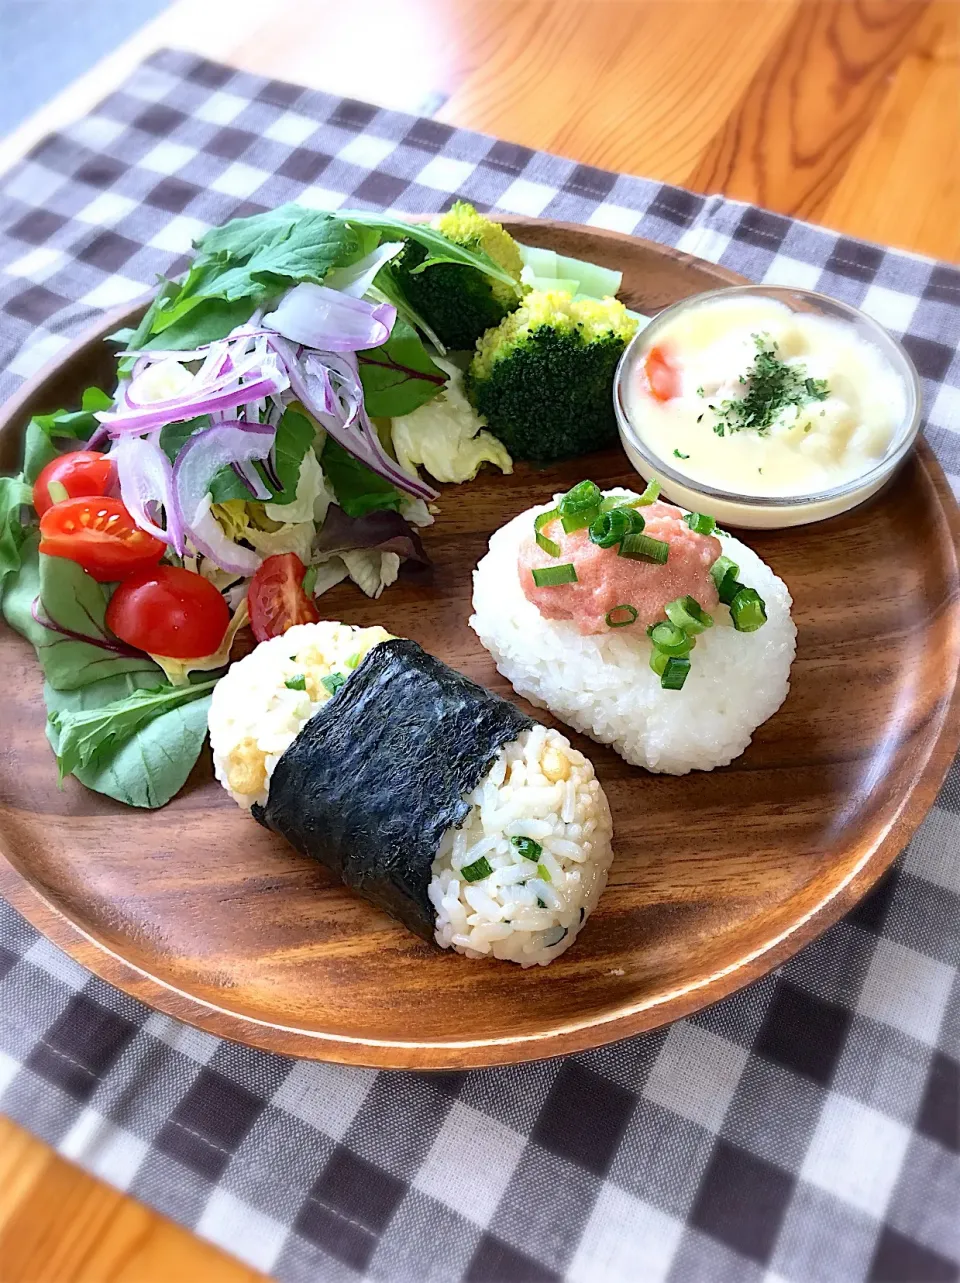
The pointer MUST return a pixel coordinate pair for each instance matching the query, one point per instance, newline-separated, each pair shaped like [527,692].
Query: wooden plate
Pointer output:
[718,877]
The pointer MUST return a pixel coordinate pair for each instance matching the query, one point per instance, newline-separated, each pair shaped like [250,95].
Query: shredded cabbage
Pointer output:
[446,436]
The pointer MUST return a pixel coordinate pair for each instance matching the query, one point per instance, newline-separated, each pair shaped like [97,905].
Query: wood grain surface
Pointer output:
[717,876]
[58,1224]
[659,78]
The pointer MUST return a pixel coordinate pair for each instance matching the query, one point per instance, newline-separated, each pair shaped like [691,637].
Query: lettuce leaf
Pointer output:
[358,490]
[14,493]
[78,424]
[398,376]
[447,437]
[249,259]
[146,768]
[85,736]
[384,531]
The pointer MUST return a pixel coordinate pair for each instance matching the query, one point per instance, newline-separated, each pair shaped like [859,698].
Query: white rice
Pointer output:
[526,911]
[539,787]
[603,685]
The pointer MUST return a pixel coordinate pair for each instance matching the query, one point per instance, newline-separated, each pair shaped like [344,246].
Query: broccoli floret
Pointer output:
[544,377]
[456,301]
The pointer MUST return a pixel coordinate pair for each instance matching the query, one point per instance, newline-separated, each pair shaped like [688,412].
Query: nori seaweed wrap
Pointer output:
[377,776]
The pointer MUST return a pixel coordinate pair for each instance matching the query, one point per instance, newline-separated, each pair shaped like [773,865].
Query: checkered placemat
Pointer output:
[805,1129]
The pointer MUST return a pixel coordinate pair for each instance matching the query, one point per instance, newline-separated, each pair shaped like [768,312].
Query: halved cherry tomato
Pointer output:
[169,611]
[663,377]
[83,472]
[100,535]
[276,598]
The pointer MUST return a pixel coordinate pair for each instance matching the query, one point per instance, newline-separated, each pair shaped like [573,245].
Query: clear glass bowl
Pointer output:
[771,511]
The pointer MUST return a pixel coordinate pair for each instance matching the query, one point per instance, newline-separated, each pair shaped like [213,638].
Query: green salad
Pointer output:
[280,420]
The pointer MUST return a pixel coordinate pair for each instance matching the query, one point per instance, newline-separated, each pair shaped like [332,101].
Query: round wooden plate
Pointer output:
[717,877]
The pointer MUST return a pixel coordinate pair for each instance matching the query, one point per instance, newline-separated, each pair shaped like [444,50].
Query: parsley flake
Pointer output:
[772,386]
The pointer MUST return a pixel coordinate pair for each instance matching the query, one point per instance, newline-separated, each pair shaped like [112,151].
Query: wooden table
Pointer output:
[845,112]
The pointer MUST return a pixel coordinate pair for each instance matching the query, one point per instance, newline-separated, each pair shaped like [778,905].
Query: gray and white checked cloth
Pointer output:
[804,1130]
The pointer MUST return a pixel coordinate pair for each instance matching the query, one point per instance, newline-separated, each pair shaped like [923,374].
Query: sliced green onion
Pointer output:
[724,573]
[670,639]
[543,872]
[333,682]
[644,548]
[631,618]
[57,491]
[477,871]
[675,673]
[747,610]
[650,495]
[583,497]
[551,576]
[572,521]
[688,614]
[729,588]
[658,661]
[720,567]
[549,547]
[529,849]
[296,683]
[700,523]
[353,660]
[610,527]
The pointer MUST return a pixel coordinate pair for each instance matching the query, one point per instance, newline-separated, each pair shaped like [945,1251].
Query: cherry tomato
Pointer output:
[663,377]
[169,611]
[83,472]
[100,535]
[276,598]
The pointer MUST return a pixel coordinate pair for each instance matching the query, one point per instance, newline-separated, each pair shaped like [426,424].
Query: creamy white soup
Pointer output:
[746,395]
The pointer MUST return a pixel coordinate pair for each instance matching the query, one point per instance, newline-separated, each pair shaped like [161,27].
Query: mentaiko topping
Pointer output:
[746,395]
[619,565]
[581,588]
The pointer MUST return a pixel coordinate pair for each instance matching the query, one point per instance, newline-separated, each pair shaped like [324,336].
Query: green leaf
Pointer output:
[357,489]
[14,493]
[252,258]
[439,249]
[87,735]
[173,436]
[295,435]
[209,320]
[398,376]
[151,766]
[38,451]
[387,286]
[78,424]
[21,591]
[75,605]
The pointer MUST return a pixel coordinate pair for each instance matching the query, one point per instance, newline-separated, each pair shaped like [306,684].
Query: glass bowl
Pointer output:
[772,511]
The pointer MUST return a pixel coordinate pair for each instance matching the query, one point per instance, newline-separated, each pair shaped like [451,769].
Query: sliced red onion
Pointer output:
[252,479]
[146,488]
[319,375]
[201,457]
[192,404]
[330,320]
[240,370]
